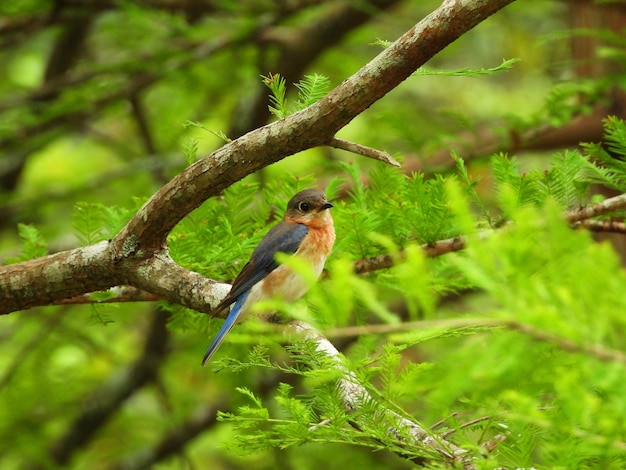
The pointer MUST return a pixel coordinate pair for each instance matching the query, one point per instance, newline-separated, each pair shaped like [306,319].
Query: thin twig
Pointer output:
[113,295]
[443,420]
[364,151]
[490,444]
[431,250]
[612,226]
[594,210]
[599,352]
[389,328]
[465,425]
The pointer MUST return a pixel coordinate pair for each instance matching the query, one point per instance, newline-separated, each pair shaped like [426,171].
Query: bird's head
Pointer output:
[309,207]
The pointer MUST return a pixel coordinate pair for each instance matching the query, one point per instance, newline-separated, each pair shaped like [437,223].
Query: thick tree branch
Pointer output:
[161,276]
[43,281]
[432,250]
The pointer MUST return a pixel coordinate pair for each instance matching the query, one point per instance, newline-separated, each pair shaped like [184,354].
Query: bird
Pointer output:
[306,231]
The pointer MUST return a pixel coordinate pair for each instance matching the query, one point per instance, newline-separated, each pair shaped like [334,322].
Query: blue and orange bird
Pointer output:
[307,231]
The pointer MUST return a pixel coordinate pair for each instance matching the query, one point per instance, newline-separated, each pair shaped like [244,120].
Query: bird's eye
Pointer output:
[304,206]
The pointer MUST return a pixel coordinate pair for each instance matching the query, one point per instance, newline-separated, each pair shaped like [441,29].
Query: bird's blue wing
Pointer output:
[285,237]
[282,238]
[230,321]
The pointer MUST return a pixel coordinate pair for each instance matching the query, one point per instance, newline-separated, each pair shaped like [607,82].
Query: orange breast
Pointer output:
[316,246]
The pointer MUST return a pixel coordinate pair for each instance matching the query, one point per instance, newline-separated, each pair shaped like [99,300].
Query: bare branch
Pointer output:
[594,210]
[468,424]
[363,151]
[599,352]
[66,276]
[161,276]
[376,263]
[612,226]
[432,250]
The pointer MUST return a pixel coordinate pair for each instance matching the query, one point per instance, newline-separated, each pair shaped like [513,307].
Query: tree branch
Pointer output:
[610,226]
[363,151]
[599,352]
[607,206]
[43,281]
[432,250]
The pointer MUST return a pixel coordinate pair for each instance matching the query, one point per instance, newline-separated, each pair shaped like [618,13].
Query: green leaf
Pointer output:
[221,135]
[311,89]
[33,244]
[278,87]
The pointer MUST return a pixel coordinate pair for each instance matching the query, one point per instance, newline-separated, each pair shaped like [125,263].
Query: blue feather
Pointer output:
[231,319]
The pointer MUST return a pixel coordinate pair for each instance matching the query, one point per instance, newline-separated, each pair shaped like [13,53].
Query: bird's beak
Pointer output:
[327,205]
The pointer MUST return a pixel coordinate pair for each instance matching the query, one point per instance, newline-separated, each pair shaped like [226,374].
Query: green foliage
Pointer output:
[94,222]
[190,149]
[562,182]
[33,244]
[314,416]
[564,100]
[521,334]
[607,164]
[546,298]
[278,87]
[310,90]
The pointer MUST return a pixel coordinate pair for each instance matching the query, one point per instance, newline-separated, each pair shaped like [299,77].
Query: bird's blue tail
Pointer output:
[231,319]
